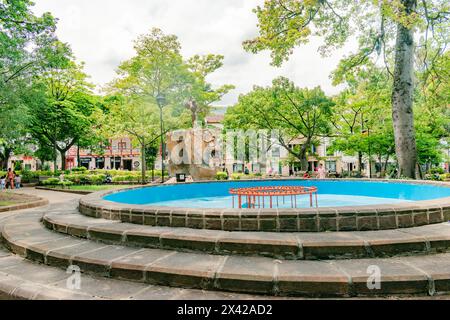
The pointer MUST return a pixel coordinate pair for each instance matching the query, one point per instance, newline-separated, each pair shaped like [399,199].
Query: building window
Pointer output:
[85,162]
[116,163]
[331,166]
[122,145]
[276,153]
[100,163]
[239,168]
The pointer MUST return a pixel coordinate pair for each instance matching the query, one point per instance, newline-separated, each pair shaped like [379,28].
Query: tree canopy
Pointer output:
[297,113]
[385,29]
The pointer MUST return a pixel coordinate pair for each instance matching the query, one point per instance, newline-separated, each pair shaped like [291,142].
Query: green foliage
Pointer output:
[18,166]
[63,111]
[236,176]
[295,112]
[386,31]
[27,176]
[23,37]
[221,176]
[127,178]
[428,148]
[97,179]
[79,170]
[65,184]
[51,182]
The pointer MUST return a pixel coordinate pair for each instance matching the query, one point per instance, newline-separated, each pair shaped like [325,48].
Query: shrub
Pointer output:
[27,176]
[85,179]
[221,176]
[45,173]
[79,170]
[118,179]
[18,166]
[97,179]
[74,178]
[51,182]
[437,171]
[236,176]
[434,177]
[65,184]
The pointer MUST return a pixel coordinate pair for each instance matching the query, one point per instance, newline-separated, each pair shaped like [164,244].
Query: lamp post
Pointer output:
[161,100]
[370,149]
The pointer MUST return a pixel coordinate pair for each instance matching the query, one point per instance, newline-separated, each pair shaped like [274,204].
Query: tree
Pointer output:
[158,69]
[138,119]
[386,28]
[298,113]
[64,115]
[198,93]
[362,107]
[13,137]
[22,37]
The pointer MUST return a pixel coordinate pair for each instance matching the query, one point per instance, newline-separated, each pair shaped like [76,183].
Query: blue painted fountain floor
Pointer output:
[325,200]
[216,195]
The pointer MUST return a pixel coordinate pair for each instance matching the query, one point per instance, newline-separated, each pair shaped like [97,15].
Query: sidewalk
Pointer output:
[53,197]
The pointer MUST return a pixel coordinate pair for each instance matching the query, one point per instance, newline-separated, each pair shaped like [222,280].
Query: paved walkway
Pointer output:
[51,196]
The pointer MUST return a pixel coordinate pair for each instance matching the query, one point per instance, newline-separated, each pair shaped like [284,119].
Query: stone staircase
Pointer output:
[412,261]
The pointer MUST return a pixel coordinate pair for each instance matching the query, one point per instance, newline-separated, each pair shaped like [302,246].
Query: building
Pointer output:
[119,155]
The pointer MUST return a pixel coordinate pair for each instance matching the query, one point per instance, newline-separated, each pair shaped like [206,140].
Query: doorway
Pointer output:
[128,165]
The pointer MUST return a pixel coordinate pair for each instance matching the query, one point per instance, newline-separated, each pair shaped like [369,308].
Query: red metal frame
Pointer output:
[256,197]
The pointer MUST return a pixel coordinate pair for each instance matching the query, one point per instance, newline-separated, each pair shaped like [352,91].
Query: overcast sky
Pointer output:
[101,33]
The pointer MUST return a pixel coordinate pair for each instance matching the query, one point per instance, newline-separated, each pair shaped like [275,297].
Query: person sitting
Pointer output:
[306,175]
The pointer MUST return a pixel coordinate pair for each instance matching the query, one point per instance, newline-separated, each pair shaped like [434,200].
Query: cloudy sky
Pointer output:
[101,33]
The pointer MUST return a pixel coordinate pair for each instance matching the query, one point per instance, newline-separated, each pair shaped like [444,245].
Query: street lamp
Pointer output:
[370,149]
[161,100]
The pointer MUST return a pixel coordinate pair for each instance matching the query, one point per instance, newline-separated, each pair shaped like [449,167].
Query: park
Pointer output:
[306,155]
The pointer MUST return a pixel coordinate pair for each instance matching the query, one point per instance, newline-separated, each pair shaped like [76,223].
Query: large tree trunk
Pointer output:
[63,160]
[303,158]
[5,160]
[78,157]
[402,98]
[360,162]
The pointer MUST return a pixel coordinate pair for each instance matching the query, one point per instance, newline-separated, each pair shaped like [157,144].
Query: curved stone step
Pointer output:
[27,237]
[290,246]
[326,219]
[25,280]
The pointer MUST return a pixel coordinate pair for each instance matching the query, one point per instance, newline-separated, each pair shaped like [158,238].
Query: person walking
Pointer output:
[10,178]
[322,172]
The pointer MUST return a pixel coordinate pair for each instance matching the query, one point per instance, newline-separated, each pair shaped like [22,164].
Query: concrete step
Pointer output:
[25,280]
[424,275]
[290,246]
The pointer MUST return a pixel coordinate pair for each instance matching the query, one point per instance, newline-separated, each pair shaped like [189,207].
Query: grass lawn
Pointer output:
[10,199]
[7,203]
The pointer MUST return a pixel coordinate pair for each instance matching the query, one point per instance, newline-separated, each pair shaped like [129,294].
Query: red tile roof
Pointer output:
[217,119]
